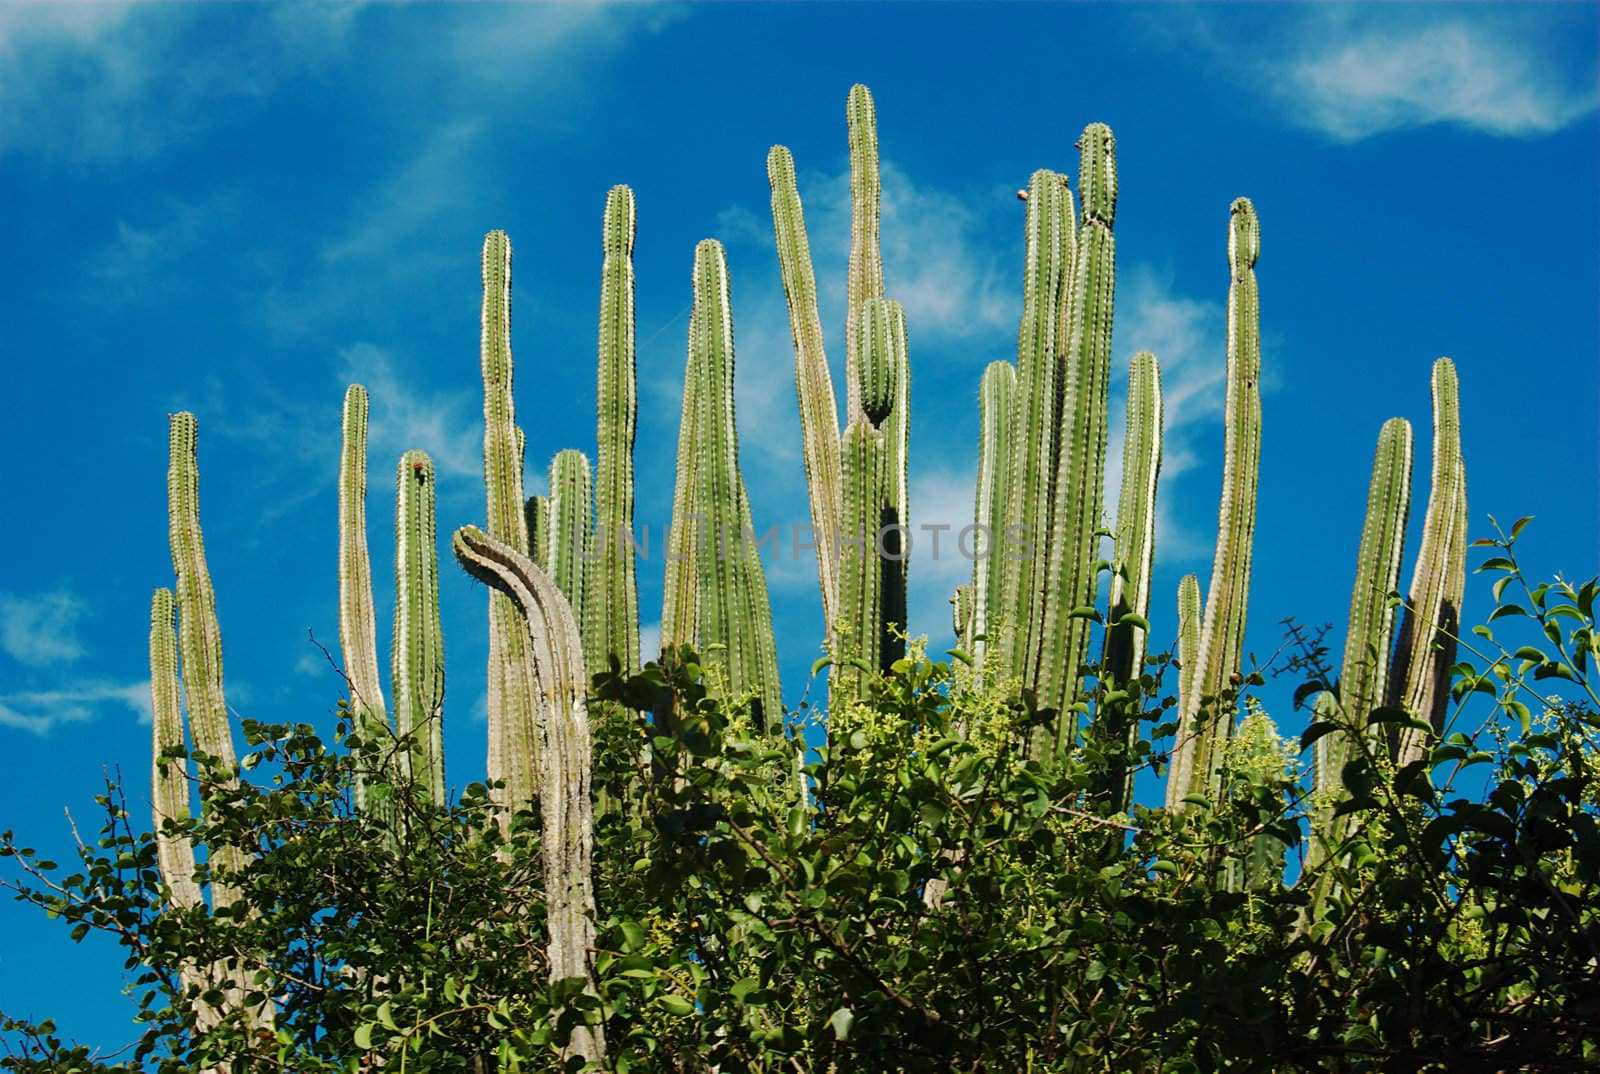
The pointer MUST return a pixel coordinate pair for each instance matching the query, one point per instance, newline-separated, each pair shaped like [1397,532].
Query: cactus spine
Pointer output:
[417,656]
[571,509]
[1136,520]
[358,635]
[1204,725]
[512,731]
[819,418]
[611,599]
[1070,572]
[996,397]
[1419,683]
[553,662]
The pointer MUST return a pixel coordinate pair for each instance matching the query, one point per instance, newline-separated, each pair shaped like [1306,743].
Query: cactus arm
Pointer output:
[866,260]
[996,396]
[536,513]
[1189,620]
[819,416]
[862,571]
[1425,651]
[358,635]
[512,732]
[897,438]
[611,601]
[1070,575]
[762,663]
[1049,230]
[571,509]
[680,610]
[417,655]
[554,661]
[1201,731]
[1136,519]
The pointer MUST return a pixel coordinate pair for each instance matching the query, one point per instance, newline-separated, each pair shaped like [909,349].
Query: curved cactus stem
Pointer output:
[1420,680]
[571,512]
[996,398]
[1071,575]
[611,597]
[819,416]
[866,260]
[1203,724]
[512,733]
[553,659]
[358,633]
[417,656]
[1136,520]
[1051,246]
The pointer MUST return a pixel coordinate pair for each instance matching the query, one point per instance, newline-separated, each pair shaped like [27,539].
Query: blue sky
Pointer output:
[239,210]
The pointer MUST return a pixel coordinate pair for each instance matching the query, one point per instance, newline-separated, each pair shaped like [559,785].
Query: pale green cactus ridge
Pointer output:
[358,631]
[571,513]
[611,601]
[1050,233]
[862,571]
[877,366]
[1203,725]
[961,615]
[536,515]
[1425,651]
[680,610]
[996,397]
[866,260]
[897,438]
[1188,648]
[1363,680]
[417,655]
[1078,489]
[819,417]
[763,667]
[1136,519]
[513,735]
[169,776]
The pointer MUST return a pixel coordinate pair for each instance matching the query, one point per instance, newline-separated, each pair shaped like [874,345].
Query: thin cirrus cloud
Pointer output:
[38,631]
[40,712]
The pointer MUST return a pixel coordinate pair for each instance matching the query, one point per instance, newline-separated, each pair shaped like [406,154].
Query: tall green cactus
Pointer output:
[1051,247]
[863,574]
[571,539]
[1136,521]
[611,595]
[819,417]
[1420,680]
[1363,681]
[1078,492]
[1204,723]
[513,742]
[865,278]
[716,596]
[417,656]
[553,662]
[536,515]
[358,634]
[1189,620]
[996,398]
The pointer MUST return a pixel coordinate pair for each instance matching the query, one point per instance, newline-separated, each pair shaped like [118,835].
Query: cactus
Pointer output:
[571,512]
[611,597]
[716,595]
[996,397]
[1136,521]
[1070,572]
[882,366]
[417,656]
[962,610]
[866,261]
[553,662]
[1051,246]
[512,732]
[1204,723]
[819,418]
[1189,619]
[536,515]
[1419,681]
[862,641]
[358,635]
[1255,756]
[1363,679]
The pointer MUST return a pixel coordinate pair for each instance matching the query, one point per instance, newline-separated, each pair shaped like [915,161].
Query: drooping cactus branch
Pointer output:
[417,657]
[1205,722]
[554,663]
[358,634]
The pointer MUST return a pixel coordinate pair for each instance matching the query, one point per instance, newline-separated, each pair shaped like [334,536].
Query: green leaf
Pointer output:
[386,1016]
[841,1020]
[1317,730]
[675,1004]
[363,1036]
[632,936]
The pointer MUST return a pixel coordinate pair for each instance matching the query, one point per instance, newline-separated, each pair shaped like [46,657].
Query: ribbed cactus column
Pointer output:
[1136,520]
[1051,246]
[866,260]
[1203,724]
[1189,620]
[996,398]
[1078,491]
[358,633]
[611,597]
[536,515]
[1425,651]
[819,417]
[553,661]
[571,511]
[512,730]
[417,657]
[680,606]
[1364,678]
[862,572]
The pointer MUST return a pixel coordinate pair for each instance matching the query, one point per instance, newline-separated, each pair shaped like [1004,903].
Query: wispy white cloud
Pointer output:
[40,712]
[41,630]
[445,424]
